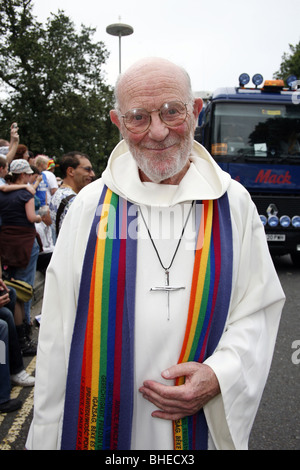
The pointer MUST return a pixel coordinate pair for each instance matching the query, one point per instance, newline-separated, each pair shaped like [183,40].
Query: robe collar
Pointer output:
[204,180]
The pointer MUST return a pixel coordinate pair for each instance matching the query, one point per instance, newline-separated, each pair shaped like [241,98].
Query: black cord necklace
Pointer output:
[167,288]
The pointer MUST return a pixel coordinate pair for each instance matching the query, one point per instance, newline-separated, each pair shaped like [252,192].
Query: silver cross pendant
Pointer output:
[167,288]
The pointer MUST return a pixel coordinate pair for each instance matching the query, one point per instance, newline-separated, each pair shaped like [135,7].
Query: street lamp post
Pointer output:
[119,29]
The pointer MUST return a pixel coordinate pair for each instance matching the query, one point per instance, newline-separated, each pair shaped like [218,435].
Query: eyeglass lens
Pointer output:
[87,168]
[172,114]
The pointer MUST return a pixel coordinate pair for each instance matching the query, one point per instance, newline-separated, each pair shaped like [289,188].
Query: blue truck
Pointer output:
[253,132]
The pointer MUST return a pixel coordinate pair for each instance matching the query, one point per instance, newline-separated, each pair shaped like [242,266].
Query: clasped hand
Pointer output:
[176,402]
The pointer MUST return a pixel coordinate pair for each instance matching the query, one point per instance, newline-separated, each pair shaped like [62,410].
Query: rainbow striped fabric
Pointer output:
[208,308]
[99,391]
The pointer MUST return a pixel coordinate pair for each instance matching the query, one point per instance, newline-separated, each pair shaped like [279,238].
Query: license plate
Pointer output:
[275,237]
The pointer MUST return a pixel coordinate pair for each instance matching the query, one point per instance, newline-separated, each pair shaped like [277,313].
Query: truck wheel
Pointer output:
[296,258]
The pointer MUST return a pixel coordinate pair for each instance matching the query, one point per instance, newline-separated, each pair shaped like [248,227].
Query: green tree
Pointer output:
[52,84]
[290,64]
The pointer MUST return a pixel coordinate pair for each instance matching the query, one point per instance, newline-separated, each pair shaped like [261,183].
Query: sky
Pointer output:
[214,40]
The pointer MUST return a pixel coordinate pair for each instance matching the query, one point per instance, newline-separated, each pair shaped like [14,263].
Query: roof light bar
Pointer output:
[257,79]
[244,79]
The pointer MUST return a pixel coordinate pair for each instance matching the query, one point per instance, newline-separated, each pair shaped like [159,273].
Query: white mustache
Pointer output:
[161,145]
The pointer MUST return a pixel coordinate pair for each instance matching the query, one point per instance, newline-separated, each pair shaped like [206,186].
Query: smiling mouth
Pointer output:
[159,148]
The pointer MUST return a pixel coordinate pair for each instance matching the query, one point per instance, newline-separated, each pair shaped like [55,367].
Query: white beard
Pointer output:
[152,167]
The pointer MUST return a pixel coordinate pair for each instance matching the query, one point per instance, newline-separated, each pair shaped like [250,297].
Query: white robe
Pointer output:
[243,356]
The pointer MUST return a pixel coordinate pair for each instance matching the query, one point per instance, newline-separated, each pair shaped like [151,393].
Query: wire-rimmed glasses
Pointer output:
[172,114]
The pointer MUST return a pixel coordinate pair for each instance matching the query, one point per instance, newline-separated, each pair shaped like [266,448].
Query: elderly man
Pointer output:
[162,303]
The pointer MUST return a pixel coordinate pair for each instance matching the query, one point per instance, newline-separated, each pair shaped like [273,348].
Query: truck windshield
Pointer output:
[256,131]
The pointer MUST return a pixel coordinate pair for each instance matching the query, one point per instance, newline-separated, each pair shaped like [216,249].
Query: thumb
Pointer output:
[180,370]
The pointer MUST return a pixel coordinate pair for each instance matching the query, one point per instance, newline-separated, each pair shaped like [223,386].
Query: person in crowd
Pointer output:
[19,376]
[7,404]
[44,230]
[19,248]
[22,152]
[42,189]
[77,172]
[34,181]
[42,162]
[157,319]
[9,149]
[3,170]
[31,158]
[51,178]
[4,186]
[4,147]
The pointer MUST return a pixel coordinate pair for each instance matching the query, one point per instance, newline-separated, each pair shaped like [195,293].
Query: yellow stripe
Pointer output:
[98,267]
[201,279]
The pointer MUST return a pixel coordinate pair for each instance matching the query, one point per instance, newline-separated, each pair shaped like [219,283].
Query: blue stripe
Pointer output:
[225,283]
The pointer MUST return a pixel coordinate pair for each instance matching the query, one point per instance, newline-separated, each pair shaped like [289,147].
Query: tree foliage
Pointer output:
[52,84]
[290,64]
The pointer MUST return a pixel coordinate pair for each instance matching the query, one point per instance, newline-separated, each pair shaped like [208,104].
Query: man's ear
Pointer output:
[114,116]
[70,171]
[198,105]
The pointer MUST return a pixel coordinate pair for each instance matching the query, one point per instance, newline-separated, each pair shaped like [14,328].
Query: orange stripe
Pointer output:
[194,283]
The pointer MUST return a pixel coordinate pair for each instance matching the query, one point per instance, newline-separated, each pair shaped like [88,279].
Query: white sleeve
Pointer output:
[243,356]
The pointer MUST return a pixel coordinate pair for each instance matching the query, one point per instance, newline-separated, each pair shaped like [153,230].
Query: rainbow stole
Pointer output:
[99,391]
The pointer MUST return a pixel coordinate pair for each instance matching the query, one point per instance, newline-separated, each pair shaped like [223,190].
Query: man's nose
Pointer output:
[158,130]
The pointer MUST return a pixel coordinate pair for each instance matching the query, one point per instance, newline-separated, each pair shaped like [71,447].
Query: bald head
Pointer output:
[148,75]
[157,93]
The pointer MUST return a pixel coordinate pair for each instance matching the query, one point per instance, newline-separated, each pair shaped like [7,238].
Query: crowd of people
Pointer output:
[33,203]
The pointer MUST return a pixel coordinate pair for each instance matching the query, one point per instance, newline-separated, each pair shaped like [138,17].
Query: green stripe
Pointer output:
[111,219]
[185,433]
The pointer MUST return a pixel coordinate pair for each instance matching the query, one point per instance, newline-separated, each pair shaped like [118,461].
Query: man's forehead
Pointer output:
[84,161]
[152,90]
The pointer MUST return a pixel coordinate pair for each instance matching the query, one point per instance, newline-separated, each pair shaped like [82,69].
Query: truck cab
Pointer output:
[254,134]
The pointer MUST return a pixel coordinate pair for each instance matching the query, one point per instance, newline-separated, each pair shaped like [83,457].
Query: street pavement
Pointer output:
[277,424]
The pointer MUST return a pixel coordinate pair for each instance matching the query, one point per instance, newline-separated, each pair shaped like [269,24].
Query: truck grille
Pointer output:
[286,205]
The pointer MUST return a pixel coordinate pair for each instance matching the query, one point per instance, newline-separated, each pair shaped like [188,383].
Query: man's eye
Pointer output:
[139,117]
[173,111]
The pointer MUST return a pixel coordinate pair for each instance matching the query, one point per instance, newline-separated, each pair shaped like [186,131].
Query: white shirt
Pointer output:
[45,233]
[52,184]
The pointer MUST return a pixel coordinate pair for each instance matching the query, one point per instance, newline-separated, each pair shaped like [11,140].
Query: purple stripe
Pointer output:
[225,283]
[69,433]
